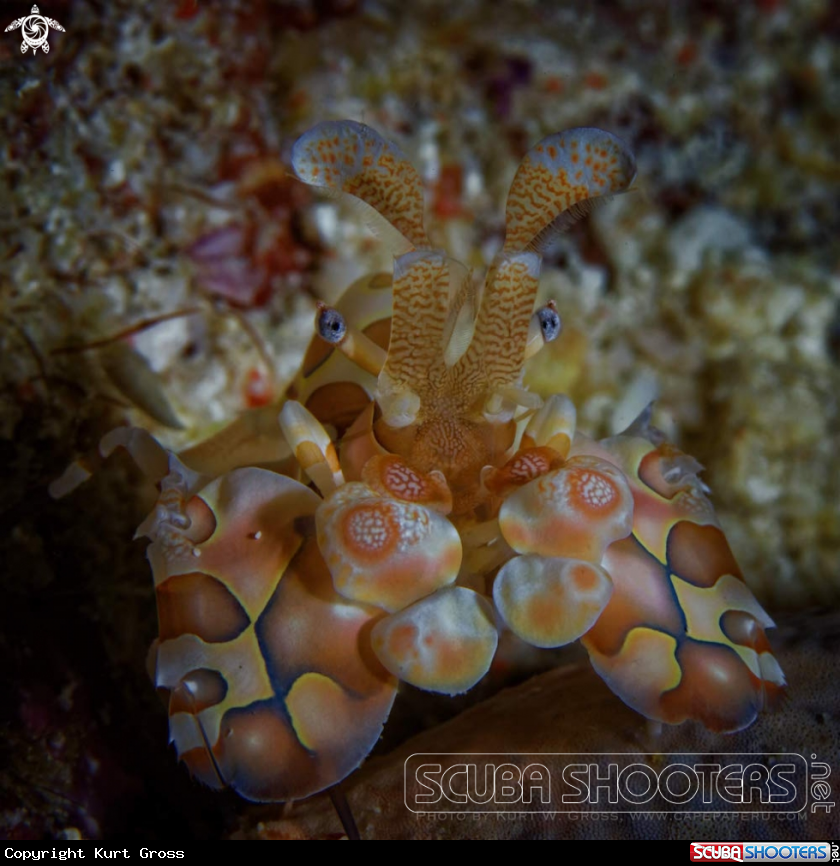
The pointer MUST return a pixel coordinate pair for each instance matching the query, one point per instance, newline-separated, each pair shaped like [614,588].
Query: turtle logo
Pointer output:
[36,28]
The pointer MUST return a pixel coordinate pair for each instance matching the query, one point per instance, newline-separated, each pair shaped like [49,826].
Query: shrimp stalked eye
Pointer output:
[410,497]
[331,325]
[550,323]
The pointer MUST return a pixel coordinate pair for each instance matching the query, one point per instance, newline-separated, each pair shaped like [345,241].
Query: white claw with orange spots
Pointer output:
[549,602]
[384,551]
[442,643]
[575,511]
[562,522]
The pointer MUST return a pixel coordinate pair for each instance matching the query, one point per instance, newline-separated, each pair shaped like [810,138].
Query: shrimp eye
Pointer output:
[331,325]
[549,322]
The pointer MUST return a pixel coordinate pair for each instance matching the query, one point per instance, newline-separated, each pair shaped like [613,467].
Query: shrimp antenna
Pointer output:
[344,812]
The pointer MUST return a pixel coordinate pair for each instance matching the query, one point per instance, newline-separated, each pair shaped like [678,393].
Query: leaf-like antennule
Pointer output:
[345,156]
[497,350]
[560,180]
[422,288]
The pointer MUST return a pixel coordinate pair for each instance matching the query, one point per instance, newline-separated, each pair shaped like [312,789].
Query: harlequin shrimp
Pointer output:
[410,499]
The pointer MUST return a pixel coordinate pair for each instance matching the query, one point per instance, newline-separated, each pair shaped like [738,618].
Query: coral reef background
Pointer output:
[158,266]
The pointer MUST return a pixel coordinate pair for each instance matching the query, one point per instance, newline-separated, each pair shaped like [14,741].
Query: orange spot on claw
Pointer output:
[584,578]
[401,640]
[543,612]
[591,491]
[370,531]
